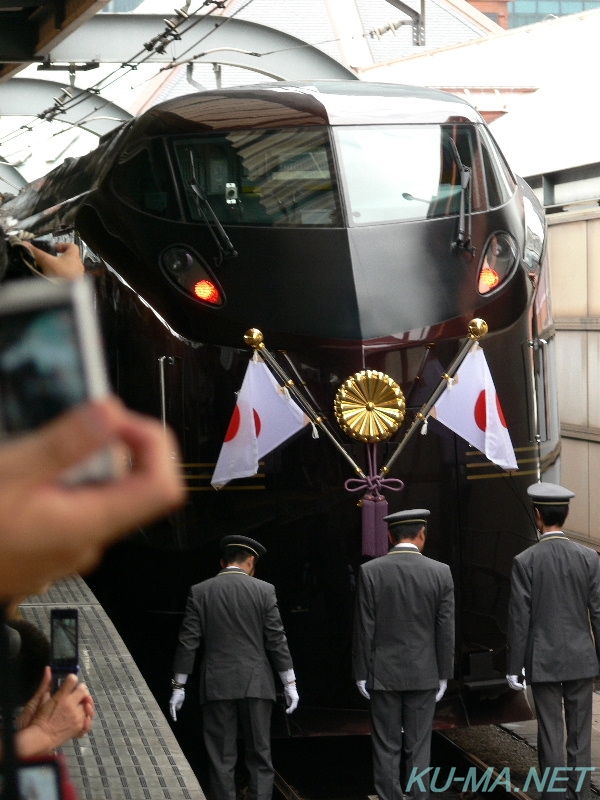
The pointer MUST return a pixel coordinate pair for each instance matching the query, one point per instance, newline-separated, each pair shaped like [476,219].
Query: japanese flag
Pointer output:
[264,417]
[471,409]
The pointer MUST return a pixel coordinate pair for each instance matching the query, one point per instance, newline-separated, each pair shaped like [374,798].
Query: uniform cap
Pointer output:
[255,548]
[549,494]
[407,517]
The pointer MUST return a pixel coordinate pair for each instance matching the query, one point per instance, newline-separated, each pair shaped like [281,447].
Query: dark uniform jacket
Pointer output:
[555,596]
[404,622]
[234,620]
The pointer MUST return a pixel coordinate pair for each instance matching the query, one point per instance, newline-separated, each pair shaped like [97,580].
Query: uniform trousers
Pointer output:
[220,721]
[391,712]
[549,698]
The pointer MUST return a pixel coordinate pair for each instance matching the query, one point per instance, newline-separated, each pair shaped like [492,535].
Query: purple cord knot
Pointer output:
[374,505]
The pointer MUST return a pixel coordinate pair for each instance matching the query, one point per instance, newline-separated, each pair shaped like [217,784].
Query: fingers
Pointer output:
[46,453]
[53,530]
[45,684]
[89,706]
[66,265]
[292,707]
[151,488]
[67,687]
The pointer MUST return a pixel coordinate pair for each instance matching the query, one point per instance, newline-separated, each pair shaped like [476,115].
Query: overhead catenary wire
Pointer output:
[67,102]
[158,44]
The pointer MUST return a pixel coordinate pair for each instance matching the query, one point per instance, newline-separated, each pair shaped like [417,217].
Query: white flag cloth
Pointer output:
[264,417]
[471,408]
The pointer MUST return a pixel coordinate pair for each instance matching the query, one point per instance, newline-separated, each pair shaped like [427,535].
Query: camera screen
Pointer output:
[41,370]
[38,782]
[64,639]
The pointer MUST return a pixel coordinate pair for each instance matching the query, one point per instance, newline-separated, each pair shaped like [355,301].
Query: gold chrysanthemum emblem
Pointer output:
[369,406]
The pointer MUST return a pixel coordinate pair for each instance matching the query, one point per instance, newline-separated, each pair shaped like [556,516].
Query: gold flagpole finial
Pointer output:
[254,338]
[478,328]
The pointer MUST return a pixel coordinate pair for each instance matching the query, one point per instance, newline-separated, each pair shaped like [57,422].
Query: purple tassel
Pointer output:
[380,510]
[374,506]
[369,527]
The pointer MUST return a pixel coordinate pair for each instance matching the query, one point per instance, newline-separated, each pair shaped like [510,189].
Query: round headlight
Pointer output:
[497,263]
[177,259]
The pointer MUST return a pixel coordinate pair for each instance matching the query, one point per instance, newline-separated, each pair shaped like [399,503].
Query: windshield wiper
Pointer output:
[222,241]
[463,237]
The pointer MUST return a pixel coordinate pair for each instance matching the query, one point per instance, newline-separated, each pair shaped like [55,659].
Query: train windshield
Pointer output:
[396,173]
[274,177]
[292,178]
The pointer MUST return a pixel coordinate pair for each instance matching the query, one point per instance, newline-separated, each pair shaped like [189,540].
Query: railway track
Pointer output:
[340,769]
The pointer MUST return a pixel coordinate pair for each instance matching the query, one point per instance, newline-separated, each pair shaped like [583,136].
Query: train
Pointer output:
[360,228]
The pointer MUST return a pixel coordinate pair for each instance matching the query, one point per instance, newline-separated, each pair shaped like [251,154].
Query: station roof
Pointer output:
[30,29]
[539,79]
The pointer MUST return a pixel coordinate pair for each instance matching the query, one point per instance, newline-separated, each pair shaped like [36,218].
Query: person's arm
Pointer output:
[67,714]
[274,636]
[189,638]
[444,629]
[519,617]
[67,264]
[49,530]
[363,632]
[39,698]
[594,603]
[178,693]
[276,645]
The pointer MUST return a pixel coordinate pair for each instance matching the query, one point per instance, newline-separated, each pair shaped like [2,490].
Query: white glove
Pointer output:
[176,702]
[362,688]
[441,690]
[513,682]
[291,697]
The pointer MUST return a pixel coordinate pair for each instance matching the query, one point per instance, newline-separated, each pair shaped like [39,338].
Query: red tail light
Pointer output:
[207,291]
[488,280]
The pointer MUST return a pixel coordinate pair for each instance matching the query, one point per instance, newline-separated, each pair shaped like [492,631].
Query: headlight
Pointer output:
[188,271]
[497,263]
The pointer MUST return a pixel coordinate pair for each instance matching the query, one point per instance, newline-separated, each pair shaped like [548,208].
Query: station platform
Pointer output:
[131,752]
[527,731]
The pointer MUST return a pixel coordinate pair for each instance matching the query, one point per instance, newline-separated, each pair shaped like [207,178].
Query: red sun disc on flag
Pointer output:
[500,412]
[235,422]
[480,412]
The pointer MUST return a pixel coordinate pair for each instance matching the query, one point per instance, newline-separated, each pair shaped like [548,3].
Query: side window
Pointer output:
[499,180]
[143,181]
[461,140]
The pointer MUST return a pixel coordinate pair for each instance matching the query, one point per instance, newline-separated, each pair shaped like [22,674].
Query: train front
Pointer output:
[359,227]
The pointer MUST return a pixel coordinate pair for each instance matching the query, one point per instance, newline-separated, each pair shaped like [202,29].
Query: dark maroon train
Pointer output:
[358,226]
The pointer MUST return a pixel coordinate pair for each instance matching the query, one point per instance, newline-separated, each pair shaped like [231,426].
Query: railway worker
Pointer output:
[236,623]
[403,652]
[554,640]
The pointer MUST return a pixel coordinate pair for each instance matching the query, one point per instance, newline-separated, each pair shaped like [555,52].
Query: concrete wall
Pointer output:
[574,253]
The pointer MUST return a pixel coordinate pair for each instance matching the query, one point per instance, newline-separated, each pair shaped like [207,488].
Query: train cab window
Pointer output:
[500,181]
[265,177]
[411,172]
[142,180]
